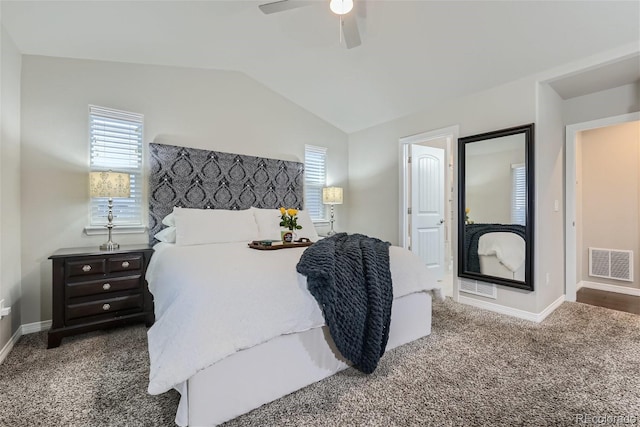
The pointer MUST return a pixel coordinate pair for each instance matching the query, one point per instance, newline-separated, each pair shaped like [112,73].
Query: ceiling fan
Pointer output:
[342,8]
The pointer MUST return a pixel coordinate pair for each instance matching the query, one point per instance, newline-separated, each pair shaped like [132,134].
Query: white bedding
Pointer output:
[214,300]
[509,248]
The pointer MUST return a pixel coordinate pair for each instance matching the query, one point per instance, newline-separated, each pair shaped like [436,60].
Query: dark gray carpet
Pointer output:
[476,369]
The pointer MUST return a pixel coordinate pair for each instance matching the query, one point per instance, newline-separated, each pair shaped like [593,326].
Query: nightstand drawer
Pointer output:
[104,306]
[125,263]
[103,286]
[86,267]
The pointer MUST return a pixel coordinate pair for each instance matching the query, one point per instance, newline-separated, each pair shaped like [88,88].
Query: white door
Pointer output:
[427,206]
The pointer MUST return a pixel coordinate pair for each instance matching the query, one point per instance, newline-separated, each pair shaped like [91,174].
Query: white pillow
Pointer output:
[308,229]
[167,235]
[268,221]
[269,224]
[202,226]
[169,220]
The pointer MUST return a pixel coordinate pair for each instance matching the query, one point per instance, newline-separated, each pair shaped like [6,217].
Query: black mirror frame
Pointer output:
[528,131]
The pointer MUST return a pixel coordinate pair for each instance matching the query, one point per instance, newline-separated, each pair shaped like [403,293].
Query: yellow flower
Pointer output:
[467,210]
[292,212]
[282,211]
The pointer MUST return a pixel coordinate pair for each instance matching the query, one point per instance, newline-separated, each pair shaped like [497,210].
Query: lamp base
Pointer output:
[109,246]
[331,233]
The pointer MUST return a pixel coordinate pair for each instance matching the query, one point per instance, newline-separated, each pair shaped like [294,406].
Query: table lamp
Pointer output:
[332,196]
[109,184]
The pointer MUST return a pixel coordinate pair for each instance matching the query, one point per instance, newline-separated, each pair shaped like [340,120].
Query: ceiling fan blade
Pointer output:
[281,6]
[350,31]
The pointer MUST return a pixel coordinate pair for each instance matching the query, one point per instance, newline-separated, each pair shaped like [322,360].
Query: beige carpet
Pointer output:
[476,369]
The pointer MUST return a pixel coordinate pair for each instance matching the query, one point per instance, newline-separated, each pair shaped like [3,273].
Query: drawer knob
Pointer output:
[86,268]
[106,307]
[106,286]
[125,264]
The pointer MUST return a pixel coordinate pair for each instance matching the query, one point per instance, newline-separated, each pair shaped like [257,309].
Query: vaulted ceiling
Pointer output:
[414,54]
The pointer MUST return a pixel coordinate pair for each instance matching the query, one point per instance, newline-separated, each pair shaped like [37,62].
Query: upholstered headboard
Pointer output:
[194,178]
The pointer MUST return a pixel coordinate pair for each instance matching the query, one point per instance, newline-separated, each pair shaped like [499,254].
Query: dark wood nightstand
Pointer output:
[94,289]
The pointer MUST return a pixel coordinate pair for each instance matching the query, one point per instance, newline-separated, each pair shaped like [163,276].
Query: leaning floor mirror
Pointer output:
[495,200]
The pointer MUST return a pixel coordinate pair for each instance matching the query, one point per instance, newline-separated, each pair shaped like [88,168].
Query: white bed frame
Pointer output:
[491,266]
[258,375]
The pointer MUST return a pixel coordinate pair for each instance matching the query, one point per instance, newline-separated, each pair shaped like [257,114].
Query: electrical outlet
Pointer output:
[4,311]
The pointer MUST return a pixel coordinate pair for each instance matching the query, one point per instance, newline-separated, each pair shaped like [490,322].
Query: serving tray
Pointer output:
[260,247]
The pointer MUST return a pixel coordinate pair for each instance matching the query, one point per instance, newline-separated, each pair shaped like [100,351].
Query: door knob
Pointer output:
[442,221]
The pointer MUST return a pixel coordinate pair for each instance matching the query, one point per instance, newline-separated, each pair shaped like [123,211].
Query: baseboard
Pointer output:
[28,328]
[609,288]
[550,308]
[34,327]
[9,345]
[514,312]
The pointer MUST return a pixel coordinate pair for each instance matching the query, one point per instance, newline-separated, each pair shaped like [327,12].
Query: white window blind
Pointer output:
[315,178]
[116,144]
[518,194]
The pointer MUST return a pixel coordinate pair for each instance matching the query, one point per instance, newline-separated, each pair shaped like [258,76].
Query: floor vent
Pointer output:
[478,288]
[611,264]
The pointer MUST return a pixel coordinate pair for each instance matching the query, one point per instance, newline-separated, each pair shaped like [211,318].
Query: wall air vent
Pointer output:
[611,264]
[477,288]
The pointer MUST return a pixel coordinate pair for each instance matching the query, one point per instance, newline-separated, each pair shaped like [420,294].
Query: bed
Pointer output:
[502,255]
[235,327]
[496,250]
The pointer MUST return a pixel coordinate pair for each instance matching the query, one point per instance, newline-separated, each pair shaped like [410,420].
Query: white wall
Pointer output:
[9,185]
[220,110]
[374,162]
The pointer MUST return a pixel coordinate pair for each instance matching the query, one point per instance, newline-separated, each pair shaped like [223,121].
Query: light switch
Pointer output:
[556,205]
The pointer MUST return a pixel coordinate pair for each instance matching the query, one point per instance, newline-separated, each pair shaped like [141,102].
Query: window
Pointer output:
[518,194]
[116,144]
[315,178]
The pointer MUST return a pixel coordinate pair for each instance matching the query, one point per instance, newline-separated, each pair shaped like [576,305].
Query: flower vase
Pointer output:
[288,236]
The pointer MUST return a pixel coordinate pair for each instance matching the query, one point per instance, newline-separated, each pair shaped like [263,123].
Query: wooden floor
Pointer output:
[612,300]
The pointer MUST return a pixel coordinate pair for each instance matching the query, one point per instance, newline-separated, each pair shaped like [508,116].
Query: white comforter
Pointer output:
[214,300]
[509,248]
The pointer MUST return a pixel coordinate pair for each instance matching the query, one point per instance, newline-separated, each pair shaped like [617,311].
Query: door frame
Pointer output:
[450,132]
[571,241]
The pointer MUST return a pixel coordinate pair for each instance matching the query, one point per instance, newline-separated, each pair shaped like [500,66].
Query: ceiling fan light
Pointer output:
[341,7]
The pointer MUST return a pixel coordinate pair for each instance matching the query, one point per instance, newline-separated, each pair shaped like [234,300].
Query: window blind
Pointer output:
[116,144]
[518,194]
[315,178]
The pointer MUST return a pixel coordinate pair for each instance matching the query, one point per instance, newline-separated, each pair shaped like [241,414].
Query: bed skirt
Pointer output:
[261,374]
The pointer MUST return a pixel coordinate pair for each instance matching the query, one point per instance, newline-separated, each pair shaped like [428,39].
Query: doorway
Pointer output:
[427,197]
[572,261]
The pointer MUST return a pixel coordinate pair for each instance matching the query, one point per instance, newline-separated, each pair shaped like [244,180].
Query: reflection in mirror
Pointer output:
[495,232]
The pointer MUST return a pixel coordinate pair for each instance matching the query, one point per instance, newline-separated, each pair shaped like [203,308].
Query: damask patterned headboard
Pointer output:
[194,178]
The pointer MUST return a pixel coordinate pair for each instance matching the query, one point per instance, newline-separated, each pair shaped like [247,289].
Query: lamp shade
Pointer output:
[332,195]
[109,184]
[341,7]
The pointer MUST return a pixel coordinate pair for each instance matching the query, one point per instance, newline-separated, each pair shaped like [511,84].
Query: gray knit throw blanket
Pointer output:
[349,276]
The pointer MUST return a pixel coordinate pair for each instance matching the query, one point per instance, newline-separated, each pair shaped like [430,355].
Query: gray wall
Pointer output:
[374,161]
[549,221]
[220,110]
[607,103]
[10,245]
[489,181]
